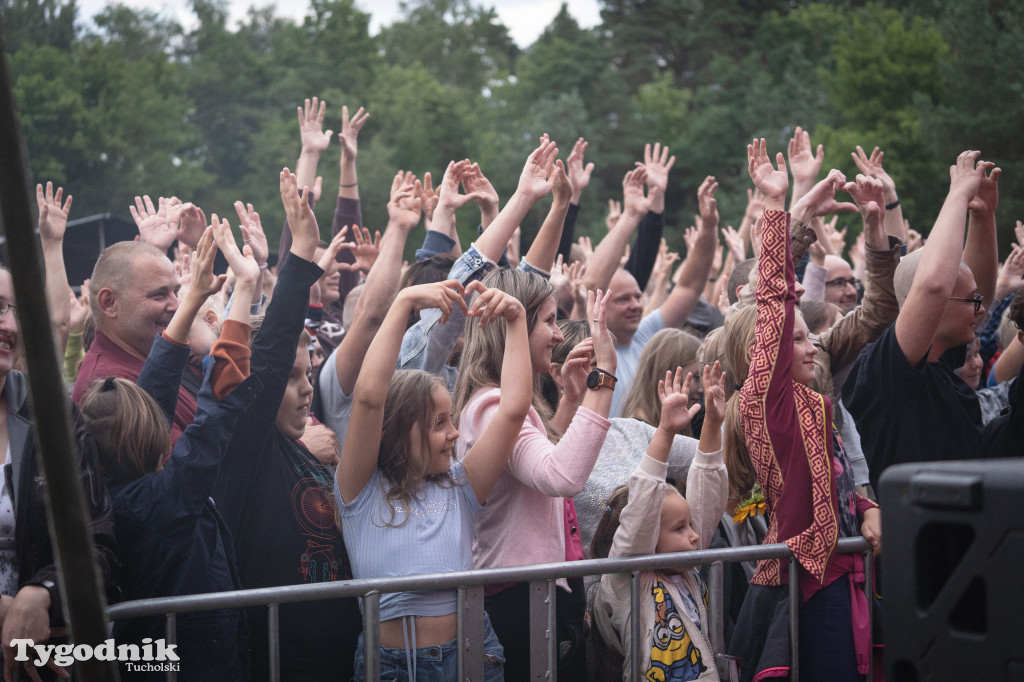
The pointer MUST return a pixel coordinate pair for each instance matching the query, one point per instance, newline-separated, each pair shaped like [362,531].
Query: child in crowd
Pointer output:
[651,517]
[173,540]
[406,506]
[799,462]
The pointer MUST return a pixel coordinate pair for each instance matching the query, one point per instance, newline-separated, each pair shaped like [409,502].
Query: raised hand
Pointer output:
[364,249]
[804,165]
[562,191]
[755,204]
[1019,231]
[311,123]
[586,246]
[837,238]
[579,175]
[152,222]
[204,283]
[493,304]
[79,308]
[868,193]
[575,369]
[674,393]
[690,238]
[405,205]
[872,165]
[713,381]
[428,198]
[446,296]
[773,182]
[707,203]
[252,232]
[449,200]
[820,200]
[756,233]
[305,232]
[604,345]
[657,163]
[1010,273]
[53,216]
[987,197]
[966,174]
[242,262]
[191,223]
[350,127]
[614,213]
[480,191]
[633,199]
[537,178]
[914,240]
[734,241]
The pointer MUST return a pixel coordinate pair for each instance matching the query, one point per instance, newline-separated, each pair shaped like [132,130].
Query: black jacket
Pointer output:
[36,561]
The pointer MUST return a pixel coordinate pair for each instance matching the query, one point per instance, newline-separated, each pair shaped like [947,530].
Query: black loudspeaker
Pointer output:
[953,578]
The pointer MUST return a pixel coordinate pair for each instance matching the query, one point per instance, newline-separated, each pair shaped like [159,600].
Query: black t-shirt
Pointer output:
[911,413]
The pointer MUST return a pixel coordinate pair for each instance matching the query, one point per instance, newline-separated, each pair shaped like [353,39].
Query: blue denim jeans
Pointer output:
[434,663]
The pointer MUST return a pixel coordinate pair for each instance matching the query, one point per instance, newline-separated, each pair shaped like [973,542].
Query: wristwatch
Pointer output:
[598,378]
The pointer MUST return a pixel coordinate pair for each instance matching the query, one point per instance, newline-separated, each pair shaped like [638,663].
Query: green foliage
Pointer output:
[137,104]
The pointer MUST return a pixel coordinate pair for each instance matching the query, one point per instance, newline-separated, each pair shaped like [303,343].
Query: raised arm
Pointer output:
[872,165]
[348,182]
[53,220]
[482,193]
[381,285]
[605,260]
[362,442]
[803,163]
[315,141]
[450,200]
[161,374]
[535,181]
[254,236]
[772,355]
[697,266]
[939,263]
[486,460]
[981,252]
[545,245]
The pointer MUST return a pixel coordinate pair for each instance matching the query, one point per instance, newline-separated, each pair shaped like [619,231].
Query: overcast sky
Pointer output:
[525,19]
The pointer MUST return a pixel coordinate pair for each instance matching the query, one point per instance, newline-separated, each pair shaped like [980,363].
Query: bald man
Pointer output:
[908,403]
[133,294]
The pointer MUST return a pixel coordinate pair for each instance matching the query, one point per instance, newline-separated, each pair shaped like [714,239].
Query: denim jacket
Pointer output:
[427,345]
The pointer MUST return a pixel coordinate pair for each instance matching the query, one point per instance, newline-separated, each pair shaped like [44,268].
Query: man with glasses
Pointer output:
[908,403]
[841,287]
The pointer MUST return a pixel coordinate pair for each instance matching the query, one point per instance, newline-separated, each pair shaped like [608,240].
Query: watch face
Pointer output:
[593,379]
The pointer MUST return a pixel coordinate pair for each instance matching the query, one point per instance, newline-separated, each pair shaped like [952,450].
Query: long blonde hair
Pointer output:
[409,401]
[739,337]
[484,348]
[668,349]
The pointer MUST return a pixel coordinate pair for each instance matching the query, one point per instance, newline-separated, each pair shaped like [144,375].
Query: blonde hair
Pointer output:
[668,349]
[484,348]
[409,402]
[129,427]
[739,335]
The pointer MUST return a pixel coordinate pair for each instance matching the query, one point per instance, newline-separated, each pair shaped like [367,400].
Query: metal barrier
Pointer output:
[470,615]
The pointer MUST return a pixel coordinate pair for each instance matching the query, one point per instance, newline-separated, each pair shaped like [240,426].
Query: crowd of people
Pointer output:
[345,414]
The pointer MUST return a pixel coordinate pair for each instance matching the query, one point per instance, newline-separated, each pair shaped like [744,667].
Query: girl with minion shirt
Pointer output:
[651,517]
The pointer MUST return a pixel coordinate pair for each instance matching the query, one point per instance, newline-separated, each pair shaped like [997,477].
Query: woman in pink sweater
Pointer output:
[525,520]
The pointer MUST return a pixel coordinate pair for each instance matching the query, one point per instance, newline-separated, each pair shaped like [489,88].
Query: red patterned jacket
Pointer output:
[788,428]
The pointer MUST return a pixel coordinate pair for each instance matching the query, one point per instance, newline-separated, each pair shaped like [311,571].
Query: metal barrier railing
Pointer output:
[470,615]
